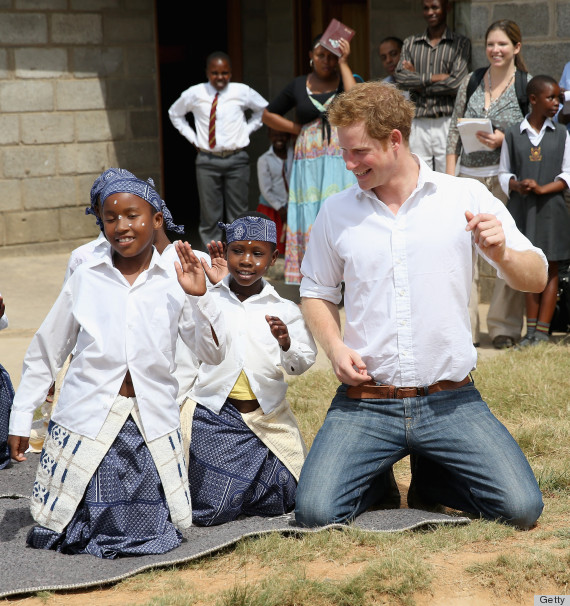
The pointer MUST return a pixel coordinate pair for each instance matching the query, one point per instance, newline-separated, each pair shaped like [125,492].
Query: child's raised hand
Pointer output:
[189,271]
[279,331]
[219,269]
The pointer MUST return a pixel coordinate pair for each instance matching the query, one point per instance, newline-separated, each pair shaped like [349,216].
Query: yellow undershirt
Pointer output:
[242,389]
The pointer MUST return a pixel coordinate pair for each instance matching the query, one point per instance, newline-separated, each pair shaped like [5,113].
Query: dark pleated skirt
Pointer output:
[231,471]
[124,510]
[545,221]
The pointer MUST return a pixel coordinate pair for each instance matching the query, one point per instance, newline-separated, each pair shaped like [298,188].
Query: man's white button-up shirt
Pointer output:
[408,276]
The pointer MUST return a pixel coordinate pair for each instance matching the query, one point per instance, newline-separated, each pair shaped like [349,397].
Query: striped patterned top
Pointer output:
[450,56]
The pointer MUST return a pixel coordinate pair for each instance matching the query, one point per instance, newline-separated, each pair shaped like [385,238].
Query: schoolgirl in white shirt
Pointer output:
[116,417]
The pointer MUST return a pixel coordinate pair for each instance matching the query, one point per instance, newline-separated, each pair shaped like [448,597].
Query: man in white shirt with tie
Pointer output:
[221,137]
[404,240]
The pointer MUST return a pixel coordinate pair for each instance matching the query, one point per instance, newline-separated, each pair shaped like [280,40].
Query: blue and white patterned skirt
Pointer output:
[124,509]
[231,471]
[6,398]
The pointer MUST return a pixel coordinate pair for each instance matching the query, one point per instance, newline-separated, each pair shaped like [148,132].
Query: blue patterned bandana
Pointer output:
[250,228]
[121,181]
[99,184]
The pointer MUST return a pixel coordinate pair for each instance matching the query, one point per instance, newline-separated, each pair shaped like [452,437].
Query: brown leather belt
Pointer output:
[371,391]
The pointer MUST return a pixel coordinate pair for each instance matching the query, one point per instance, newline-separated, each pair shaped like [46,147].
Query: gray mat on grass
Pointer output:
[24,570]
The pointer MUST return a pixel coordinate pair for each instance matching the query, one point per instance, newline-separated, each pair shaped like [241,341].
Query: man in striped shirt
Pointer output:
[432,66]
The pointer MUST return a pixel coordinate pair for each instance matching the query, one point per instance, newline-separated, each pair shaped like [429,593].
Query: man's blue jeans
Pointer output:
[483,470]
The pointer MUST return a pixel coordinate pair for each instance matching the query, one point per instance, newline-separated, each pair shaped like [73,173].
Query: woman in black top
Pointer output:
[318,168]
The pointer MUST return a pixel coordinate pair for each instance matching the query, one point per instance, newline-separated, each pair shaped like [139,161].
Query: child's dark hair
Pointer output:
[218,55]
[398,41]
[538,84]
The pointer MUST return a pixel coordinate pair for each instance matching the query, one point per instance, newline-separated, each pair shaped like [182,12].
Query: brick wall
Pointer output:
[78,93]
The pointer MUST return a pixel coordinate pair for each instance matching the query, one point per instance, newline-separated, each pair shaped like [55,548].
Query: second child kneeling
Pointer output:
[245,447]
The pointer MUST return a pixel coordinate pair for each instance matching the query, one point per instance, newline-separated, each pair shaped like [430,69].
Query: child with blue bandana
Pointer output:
[186,362]
[111,479]
[245,447]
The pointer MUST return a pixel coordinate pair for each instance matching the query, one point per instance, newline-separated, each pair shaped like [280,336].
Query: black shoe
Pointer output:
[503,342]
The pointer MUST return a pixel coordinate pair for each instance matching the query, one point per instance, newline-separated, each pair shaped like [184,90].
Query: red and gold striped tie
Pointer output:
[212,129]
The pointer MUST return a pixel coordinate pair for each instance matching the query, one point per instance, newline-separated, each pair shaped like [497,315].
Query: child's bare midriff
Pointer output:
[127,389]
[244,405]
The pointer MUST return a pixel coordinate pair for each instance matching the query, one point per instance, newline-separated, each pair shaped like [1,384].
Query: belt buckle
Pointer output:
[418,392]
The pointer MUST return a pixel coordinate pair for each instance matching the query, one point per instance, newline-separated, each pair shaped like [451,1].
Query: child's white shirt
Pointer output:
[252,348]
[86,252]
[535,138]
[115,328]
[187,363]
[270,177]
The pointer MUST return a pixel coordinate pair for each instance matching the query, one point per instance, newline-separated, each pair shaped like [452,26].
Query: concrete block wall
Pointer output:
[78,94]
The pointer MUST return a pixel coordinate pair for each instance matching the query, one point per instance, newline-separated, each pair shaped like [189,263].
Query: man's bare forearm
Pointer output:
[524,270]
[323,319]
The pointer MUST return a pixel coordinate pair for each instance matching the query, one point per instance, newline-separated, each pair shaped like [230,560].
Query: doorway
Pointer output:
[183,43]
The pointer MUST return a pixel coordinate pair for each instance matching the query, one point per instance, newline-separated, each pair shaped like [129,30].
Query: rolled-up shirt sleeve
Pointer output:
[256,103]
[322,268]
[515,239]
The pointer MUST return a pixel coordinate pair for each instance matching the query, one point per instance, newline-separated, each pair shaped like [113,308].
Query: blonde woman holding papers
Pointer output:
[498,93]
